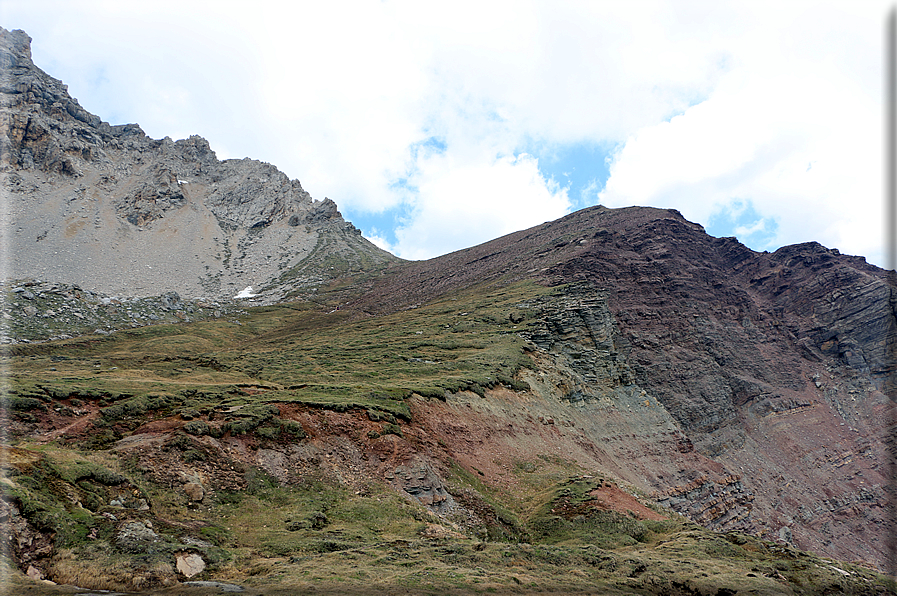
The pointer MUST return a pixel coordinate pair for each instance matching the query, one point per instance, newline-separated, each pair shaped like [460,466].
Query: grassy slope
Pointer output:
[265,536]
[296,355]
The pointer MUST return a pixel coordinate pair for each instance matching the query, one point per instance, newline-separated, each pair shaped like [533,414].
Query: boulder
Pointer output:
[194,491]
[189,564]
[136,537]
[171,300]
[34,573]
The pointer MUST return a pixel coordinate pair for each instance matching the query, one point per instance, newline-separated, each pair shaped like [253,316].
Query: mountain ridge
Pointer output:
[578,402]
[725,338]
[88,201]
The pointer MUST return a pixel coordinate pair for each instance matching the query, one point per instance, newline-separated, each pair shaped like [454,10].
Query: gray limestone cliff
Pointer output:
[114,211]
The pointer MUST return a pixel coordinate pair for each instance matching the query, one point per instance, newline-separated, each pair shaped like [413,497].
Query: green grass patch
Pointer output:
[278,354]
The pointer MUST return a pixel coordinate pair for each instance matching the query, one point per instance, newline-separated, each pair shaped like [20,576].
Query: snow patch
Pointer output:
[246,293]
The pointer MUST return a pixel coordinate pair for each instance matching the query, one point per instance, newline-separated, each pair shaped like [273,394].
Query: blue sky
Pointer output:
[434,131]
[580,168]
[583,168]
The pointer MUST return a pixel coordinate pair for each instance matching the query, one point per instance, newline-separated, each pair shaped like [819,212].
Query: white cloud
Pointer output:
[784,107]
[706,100]
[757,227]
[378,239]
[463,204]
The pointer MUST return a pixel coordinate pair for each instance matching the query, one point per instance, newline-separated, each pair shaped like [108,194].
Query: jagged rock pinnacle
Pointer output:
[109,208]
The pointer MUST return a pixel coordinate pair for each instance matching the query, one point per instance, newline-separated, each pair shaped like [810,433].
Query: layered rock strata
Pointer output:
[772,368]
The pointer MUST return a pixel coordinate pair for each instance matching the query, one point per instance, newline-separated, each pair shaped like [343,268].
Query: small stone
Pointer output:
[34,573]
[194,491]
[136,537]
[170,300]
[190,564]
[196,542]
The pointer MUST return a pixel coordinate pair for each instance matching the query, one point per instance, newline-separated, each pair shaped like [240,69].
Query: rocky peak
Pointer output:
[28,88]
[15,48]
[110,208]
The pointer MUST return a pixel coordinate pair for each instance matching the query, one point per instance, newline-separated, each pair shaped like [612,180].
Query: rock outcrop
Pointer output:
[775,365]
[771,369]
[34,311]
[114,211]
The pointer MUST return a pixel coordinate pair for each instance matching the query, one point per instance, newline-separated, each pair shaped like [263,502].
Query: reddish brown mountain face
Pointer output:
[772,368]
[773,364]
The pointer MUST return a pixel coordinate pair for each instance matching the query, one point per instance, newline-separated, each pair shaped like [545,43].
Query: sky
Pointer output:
[437,126]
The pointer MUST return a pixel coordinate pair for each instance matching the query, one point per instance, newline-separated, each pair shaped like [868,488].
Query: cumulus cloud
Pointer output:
[378,239]
[462,203]
[794,127]
[446,117]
